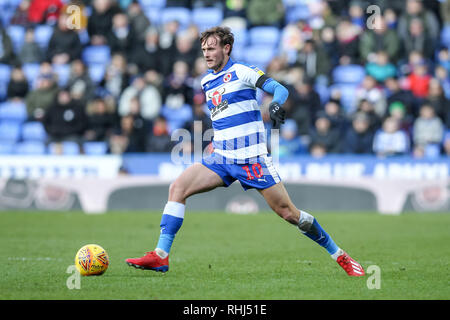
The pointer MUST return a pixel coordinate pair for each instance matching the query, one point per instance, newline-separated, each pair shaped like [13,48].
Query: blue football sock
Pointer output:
[171,222]
[309,226]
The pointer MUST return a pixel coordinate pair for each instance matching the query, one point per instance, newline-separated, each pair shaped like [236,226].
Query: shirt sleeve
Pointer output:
[251,75]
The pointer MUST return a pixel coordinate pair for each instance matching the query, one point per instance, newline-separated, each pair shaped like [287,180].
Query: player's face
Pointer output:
[215,55]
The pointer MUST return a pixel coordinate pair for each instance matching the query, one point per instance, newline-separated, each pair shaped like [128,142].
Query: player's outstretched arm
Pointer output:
[280,94]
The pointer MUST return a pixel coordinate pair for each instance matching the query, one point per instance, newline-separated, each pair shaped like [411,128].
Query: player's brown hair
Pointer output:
[223,33]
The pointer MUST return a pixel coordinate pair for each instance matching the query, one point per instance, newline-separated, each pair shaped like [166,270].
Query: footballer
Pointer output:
[240,152]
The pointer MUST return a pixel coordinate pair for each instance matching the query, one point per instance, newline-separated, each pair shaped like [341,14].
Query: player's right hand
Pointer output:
[277,114]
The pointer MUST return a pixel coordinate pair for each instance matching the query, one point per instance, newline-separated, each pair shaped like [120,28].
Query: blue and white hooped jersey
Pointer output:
[236,117]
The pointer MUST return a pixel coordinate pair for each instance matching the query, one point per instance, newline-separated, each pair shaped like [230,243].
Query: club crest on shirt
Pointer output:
[227,77]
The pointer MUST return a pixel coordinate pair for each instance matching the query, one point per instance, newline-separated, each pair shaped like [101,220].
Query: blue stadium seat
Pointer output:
[297,12]
[323,92]
[152,3]
[95,147]
[33,131]
[238,53]
[348,97]
[264,35]
[176,118]
[63,72]
[445,36]
[180,14]
[207,17]
[30,148]
[5,72]
[96,55]
[153,14]
[13,4]
[6,148]
[348,74]
[68,148]
[96,72]
[240,37]
[42,35]
[31,71]
[84,37]
[17,35]
[14,111]
[5,16]
[259,55]
[9,131]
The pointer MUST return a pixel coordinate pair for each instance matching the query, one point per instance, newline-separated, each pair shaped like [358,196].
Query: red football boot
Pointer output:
[353,268]
[151,261]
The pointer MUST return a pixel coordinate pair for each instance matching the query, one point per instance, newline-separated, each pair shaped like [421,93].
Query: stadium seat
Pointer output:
[17,35]
[180,14]
[33,131]
[445,36]
[323,92]
[207,17]
[235,23]
[96,55]
[176,118]
[42,35]
[95,148]
[96,72]
[6,148]
[348,98]
[240,37]
[13,111]
[63,72]
[31,71]
[30,148]
[5,72]
[67,148]
[152,3]
[264,36]
[259,55]
[5,16]
[84,37]
[153,14]
[297,12]
[9,131]
[352,73]
[238,53]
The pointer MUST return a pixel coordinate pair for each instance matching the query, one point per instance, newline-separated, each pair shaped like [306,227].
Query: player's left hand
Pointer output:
[277,114]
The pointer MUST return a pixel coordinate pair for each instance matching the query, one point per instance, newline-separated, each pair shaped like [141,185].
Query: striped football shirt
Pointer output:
[239,131]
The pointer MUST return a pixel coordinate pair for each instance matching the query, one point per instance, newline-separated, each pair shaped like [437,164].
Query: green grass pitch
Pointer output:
[225,256]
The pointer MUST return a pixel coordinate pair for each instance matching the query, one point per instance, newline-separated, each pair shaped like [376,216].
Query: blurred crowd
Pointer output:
[365,77]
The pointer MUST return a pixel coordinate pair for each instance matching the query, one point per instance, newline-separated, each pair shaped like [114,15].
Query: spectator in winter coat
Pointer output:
[64,45]
[18,85]
[65,120]
[30,52]
[323,134]
[39,100]
[358,138]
